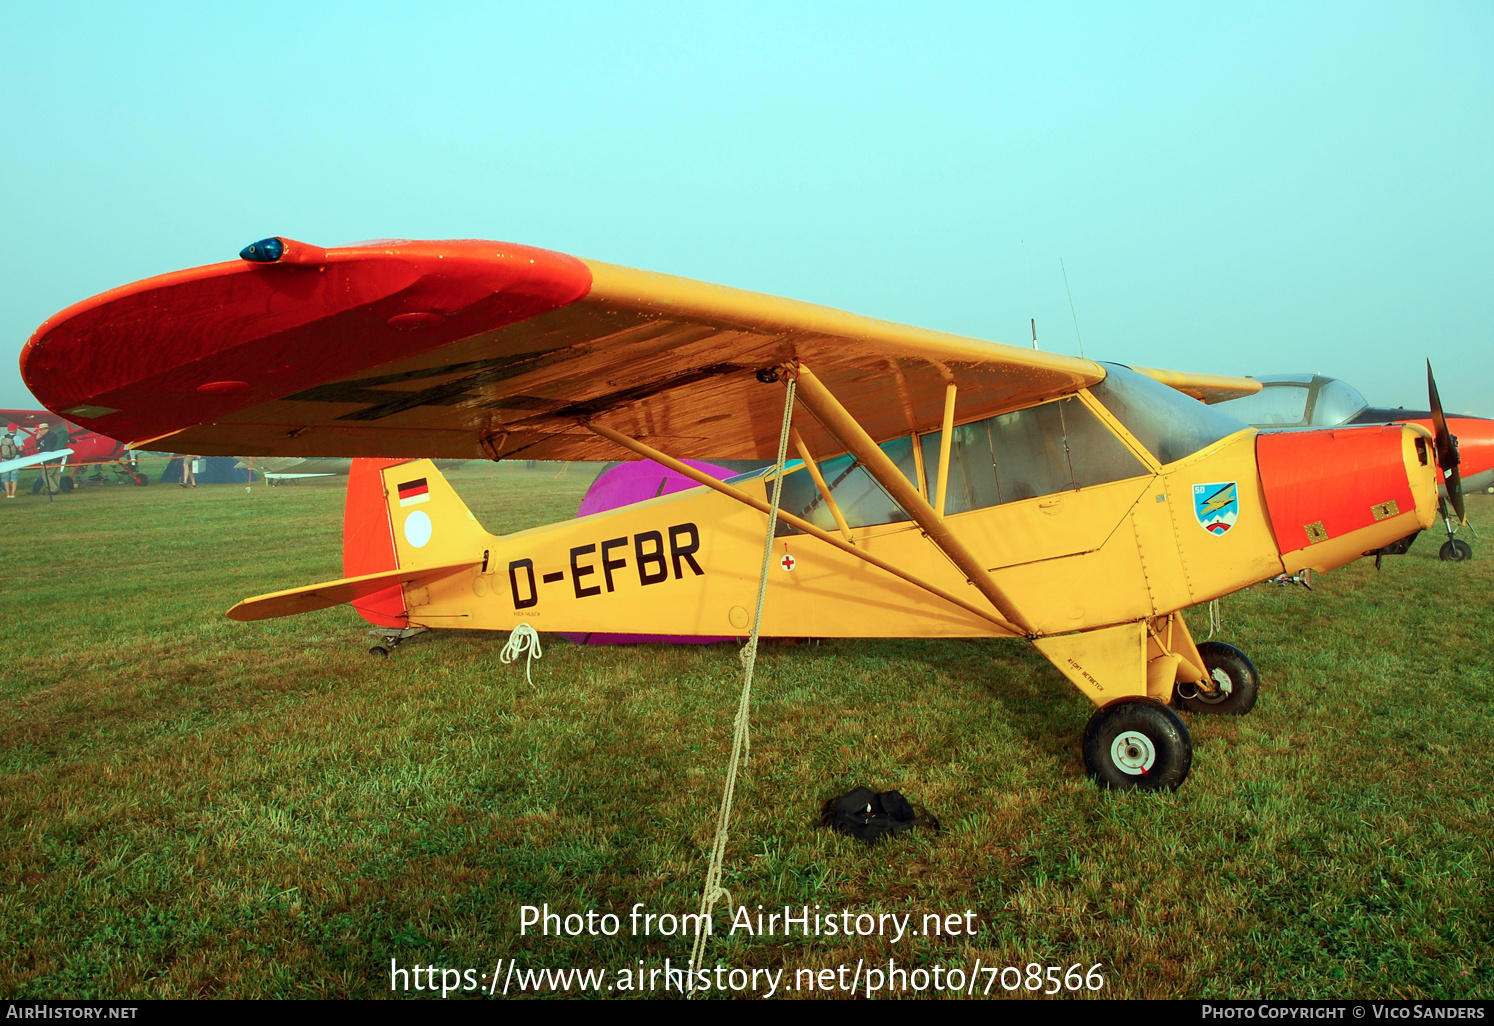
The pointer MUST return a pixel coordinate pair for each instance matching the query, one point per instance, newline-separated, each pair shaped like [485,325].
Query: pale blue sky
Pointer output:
[1265,189]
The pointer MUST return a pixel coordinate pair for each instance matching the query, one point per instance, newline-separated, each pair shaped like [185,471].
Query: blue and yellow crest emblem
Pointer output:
[1217,506]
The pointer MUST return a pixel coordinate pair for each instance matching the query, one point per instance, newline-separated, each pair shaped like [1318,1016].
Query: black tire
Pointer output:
[1233,673]
[1137,744]
[64,485]
[142,480]
[1455,550]
[379,651]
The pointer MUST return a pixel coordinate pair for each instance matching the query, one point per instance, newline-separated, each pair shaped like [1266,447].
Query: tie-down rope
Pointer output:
[741,743]
[525,640]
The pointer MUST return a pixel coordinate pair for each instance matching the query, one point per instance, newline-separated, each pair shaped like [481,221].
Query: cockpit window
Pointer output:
[1055,447]
[1168,423]
[1336,403]
[861,500]
[1275,405]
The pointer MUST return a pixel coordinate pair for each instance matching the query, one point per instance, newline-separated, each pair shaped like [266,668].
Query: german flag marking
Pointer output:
[413,492]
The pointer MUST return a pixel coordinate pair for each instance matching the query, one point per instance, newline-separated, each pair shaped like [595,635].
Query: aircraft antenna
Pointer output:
[1030,307]
[1070,291]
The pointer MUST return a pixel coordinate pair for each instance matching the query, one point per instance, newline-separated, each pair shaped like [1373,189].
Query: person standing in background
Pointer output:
[9,451]
[49,441]
[189,475]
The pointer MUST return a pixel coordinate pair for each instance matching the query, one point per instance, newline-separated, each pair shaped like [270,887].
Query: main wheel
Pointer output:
[1137,743]
[1233,675]
[65,485]
[1455,550]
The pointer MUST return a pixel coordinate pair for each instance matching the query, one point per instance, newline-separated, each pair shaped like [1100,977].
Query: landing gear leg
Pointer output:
[391,638]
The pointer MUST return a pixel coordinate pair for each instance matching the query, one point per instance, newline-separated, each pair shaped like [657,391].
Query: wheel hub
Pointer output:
[1133,753]
[1223,686]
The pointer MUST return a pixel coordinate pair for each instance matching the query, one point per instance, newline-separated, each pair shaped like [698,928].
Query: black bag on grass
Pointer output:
[868,816]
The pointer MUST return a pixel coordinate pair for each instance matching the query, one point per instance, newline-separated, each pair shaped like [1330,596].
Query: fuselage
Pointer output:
[1110,505]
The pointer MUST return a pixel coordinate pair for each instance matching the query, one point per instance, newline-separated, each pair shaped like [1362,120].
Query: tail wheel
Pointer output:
[1235,681]
[1455,550]
[1137,744]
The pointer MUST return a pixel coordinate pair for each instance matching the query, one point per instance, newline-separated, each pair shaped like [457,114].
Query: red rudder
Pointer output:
[368,542]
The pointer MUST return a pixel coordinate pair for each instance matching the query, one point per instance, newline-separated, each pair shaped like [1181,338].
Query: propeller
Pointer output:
[1447,448]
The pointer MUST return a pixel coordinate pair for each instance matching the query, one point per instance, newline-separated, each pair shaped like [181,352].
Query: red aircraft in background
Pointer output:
[1315,401]
[93,453]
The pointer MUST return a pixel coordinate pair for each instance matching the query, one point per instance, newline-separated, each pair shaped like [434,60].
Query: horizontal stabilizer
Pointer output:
[335,593]
[34,459]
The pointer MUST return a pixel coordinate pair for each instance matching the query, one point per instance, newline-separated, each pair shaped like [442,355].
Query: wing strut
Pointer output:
[700,477]
[824,489]
[839,422]
[946,436]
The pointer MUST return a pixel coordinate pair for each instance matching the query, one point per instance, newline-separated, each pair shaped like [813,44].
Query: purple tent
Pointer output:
[624,485]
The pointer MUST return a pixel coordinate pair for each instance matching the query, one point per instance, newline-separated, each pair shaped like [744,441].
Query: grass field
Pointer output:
[195,807]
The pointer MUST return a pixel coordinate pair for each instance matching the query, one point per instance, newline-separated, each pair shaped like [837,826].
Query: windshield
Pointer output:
[1337,401]
[1168,423]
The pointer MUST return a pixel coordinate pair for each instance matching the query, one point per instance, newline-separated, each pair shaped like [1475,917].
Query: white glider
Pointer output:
[34,459]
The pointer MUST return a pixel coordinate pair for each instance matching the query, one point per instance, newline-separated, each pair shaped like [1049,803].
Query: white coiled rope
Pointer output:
[524,640]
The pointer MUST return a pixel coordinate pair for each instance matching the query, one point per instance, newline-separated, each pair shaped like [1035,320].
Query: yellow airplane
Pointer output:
[941,486]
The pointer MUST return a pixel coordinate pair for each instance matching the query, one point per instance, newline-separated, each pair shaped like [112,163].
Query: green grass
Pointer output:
[195,807]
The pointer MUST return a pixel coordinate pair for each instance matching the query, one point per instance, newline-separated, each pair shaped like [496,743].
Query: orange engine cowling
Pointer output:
[1337,493]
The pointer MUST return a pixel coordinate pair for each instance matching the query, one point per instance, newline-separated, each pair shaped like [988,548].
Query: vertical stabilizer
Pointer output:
[431,524]
[432,527]
[403,515]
